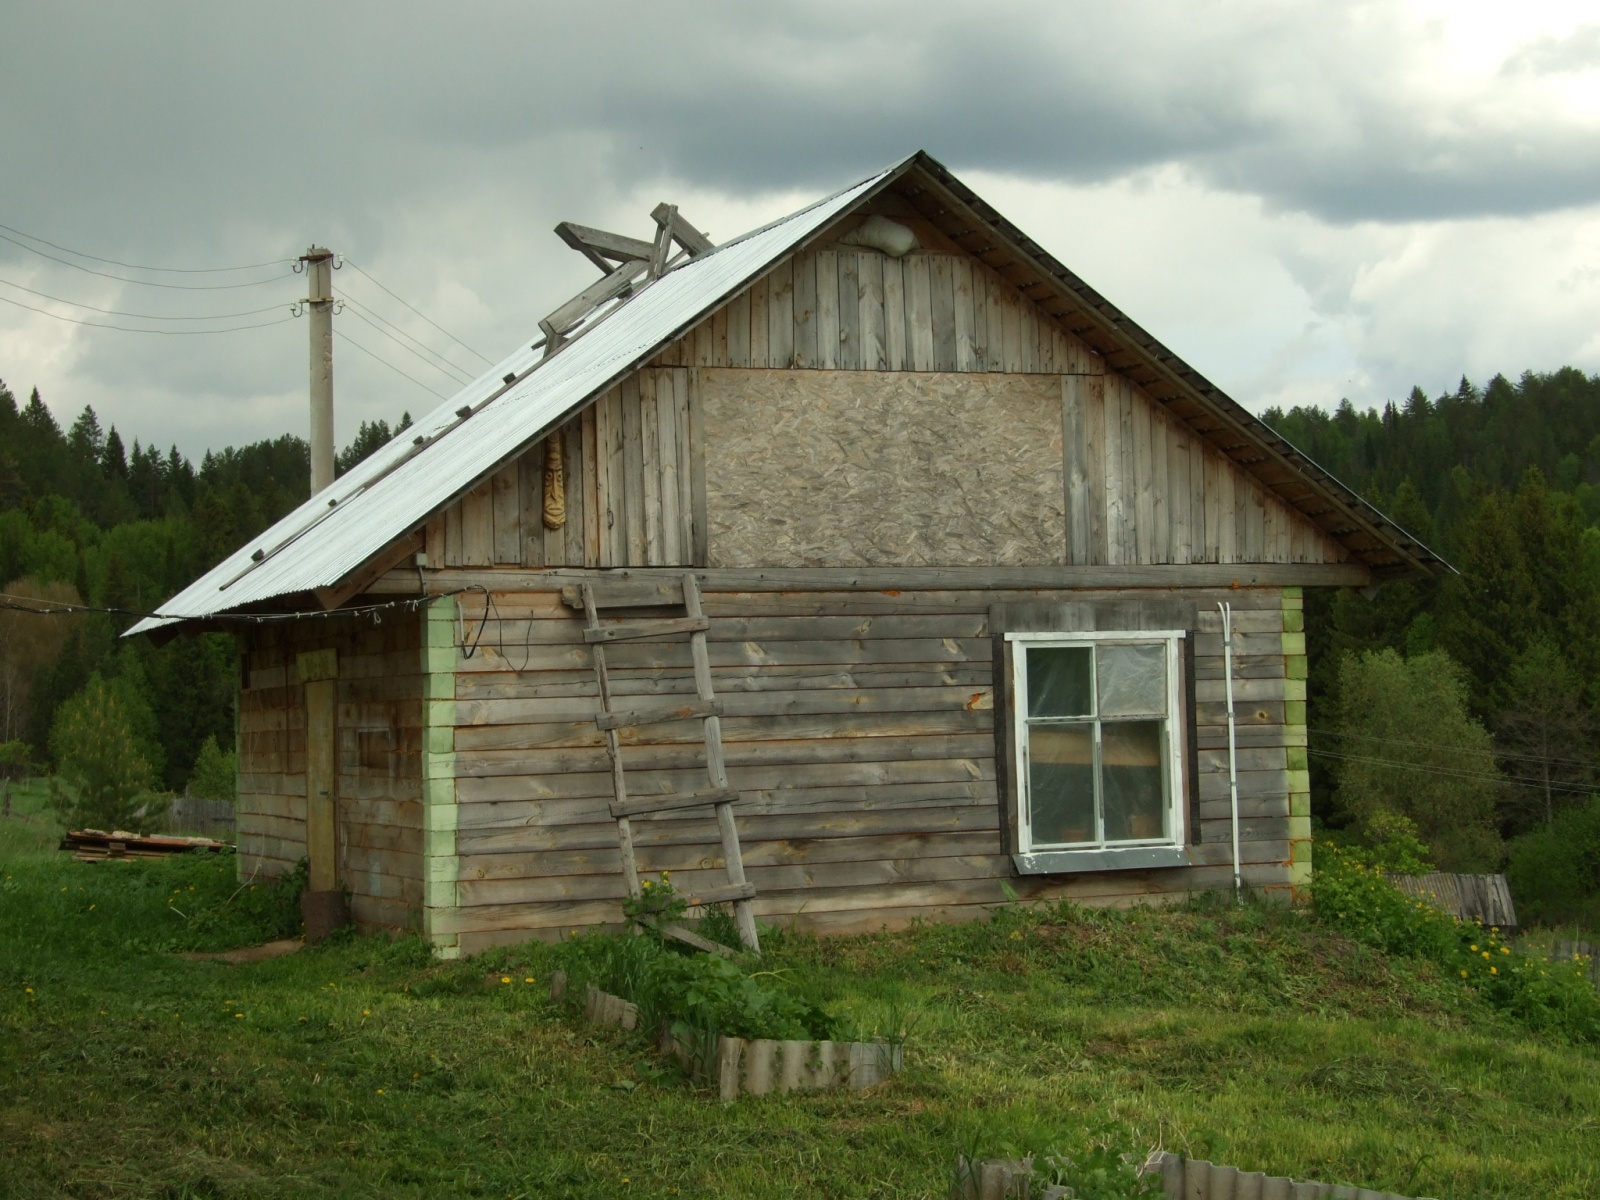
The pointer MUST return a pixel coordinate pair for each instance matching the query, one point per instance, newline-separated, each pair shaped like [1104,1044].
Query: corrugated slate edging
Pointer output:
[752,1067]
[758,1066]
[1181,1179]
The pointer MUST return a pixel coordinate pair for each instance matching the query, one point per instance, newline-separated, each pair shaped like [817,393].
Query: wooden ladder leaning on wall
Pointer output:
[707,708]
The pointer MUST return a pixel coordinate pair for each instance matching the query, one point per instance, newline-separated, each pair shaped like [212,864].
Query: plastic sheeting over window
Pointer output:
[1132,680]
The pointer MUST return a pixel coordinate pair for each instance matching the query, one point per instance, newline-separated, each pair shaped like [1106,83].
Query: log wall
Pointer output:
[859,726]
[378,740]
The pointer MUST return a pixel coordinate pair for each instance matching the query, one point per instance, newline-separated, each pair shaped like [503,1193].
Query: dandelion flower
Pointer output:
[644,883]
[380,1091]
[529,979]
[1474,949]
[28,990]
[366,1012]
[1486,956]
[1494,970]
[1463,974]
[1505,949]
[238,1016]
[505,979]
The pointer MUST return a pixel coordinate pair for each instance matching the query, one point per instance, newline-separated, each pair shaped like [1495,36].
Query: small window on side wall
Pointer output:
[1097,753]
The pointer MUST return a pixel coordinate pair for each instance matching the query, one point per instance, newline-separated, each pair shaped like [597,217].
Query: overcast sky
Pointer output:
[1305,200]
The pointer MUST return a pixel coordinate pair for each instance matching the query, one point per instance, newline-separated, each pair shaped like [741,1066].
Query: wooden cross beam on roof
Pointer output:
[603,249]
[623,259]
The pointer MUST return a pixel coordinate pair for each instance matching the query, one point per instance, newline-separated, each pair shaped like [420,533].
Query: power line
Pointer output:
[130,329]
[136,267]
[1372,737]
[117,312]
[453,375]
[350,262]
[390,365]
[181,287]
[398,331]
[26,604]
[1453,772]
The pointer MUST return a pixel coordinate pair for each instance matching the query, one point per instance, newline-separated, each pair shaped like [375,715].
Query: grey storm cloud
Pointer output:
[191,107]
[438,144]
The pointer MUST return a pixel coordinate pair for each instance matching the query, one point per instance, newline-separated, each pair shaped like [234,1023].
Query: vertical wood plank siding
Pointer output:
[1149,490]
[378,746]
[860,727]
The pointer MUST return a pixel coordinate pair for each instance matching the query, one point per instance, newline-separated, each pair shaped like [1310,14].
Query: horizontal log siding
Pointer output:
[859,727]
[378,743]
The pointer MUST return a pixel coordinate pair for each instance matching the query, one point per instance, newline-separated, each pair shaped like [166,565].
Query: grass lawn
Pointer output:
[1247,1035]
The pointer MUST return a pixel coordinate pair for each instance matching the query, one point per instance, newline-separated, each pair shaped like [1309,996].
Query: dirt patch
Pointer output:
[249,954]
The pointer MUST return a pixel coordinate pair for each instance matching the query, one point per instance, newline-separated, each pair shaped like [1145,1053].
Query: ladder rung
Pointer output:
[694,939]
[627,595]
[646,629]
[654,714]
[638,806]
[722,894]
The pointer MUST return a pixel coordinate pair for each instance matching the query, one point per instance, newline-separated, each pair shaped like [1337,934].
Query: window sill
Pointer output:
[1072,862]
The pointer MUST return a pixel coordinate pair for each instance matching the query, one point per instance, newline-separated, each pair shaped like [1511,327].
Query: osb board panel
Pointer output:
[811,469]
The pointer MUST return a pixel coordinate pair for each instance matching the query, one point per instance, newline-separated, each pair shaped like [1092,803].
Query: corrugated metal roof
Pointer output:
[399,487]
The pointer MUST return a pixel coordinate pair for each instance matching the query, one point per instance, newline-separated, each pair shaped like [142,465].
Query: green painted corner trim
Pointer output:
[1294,689]
[1300,873]
[1294,644]
[1295,666]
[441,864]
[1294,712]
[1300,804]
[1297,759]
[1293,597]
[1294,620]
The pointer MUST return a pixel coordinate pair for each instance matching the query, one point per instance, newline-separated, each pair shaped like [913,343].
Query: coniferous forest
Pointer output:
[1452,722]
[87,518]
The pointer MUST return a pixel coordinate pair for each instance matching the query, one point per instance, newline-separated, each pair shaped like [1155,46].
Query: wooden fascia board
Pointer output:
[1119,337]
[380,564]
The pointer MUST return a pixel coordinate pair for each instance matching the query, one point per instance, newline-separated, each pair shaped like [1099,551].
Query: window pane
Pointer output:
[1061,784]
[1130,757]
[1058,681]
[1133,680]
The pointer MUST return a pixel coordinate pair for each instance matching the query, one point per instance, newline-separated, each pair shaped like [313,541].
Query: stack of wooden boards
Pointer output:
[96,845]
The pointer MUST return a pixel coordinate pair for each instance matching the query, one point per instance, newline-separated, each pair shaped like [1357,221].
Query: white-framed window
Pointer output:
[1098,749]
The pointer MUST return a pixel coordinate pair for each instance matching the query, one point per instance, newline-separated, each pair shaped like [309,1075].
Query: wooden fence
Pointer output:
[1181,1179]
[196,815]
[1484,898]
[1587,953]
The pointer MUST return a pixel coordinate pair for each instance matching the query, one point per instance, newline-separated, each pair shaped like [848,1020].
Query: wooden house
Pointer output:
[903,549]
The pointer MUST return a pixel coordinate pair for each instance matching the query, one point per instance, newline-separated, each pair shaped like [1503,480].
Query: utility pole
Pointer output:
[319,279]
